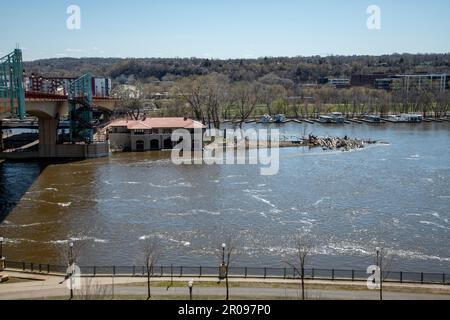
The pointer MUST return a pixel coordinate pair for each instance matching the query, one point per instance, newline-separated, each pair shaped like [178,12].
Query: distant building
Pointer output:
[128,91]
[415,82]
[150,134]
[160,96]
[431,82]
[406,82]
[384,83]
[101,87]
[336,82]
[366,80]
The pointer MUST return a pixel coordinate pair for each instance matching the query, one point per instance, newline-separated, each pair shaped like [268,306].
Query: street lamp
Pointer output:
[71,253]
[71,268]
[190,285]
[1,247]
[223,253]
[380,272]
[378,255]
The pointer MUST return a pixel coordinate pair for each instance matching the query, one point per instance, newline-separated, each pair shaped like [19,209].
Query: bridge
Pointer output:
[78,103]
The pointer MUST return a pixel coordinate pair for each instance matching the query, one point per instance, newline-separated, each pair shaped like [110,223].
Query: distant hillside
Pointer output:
[297,69]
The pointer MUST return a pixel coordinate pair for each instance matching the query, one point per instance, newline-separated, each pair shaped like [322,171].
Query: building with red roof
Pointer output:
[150,133]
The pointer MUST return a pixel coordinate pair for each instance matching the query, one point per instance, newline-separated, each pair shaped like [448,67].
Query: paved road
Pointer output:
[50,286]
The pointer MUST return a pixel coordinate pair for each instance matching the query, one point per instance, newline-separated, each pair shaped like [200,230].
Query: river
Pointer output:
[395,196]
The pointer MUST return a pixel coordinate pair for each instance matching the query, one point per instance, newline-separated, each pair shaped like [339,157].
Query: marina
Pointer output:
[339,119]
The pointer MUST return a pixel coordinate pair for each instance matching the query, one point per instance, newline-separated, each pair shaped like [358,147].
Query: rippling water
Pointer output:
[397,195]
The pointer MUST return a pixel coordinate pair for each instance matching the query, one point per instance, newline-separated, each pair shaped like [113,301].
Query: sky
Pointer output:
[223,28]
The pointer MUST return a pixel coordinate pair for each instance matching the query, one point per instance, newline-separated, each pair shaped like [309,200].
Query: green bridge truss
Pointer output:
[12,97]
[12,91]
[80,110]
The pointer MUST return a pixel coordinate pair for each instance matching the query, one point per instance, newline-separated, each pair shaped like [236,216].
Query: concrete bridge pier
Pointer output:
[48,113]
[47,137]
[49,147]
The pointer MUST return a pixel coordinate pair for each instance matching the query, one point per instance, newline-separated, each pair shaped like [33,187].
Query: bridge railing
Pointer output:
[288,273]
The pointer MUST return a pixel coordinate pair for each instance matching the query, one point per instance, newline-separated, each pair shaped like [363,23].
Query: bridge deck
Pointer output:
[40,96]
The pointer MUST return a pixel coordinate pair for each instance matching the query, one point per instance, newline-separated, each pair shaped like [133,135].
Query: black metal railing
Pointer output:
[287,273]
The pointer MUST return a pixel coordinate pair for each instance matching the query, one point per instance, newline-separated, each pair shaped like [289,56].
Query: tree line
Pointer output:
[212,90]
[294,69]
[213,98]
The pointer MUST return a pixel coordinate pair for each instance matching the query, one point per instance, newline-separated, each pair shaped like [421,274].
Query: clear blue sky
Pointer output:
[223,29]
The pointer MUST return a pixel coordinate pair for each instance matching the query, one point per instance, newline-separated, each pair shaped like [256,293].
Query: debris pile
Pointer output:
[335,143]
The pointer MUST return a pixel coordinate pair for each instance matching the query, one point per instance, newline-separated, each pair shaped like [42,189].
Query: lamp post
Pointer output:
[71,253]
[1,247]
[379,272]
[2,260]
[378,255]
[223,253]
[190,285]
[71,269]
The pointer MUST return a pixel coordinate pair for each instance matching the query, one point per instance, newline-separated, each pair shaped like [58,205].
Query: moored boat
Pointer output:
[394,118]
[373,118]
[411,118]
[280,118]
[335,117]
[266,118]
[406,118]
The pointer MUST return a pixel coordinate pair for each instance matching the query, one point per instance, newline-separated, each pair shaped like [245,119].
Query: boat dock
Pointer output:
[355,121]
[372,122]
[388,120]
[433,119]
[346,121]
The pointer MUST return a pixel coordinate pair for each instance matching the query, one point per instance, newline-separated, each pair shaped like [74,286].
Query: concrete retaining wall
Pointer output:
[61,151]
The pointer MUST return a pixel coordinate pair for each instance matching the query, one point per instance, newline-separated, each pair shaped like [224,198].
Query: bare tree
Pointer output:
[152,253]
[205,95]
[442,103]
[191,91]
[227,255]
[216,90]
[92,290]
[245,97]
[383,261]
[270,94]
[131,100]
[303,250]
[133,107]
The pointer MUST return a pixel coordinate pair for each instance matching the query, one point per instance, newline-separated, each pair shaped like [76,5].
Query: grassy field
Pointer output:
[357,286]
